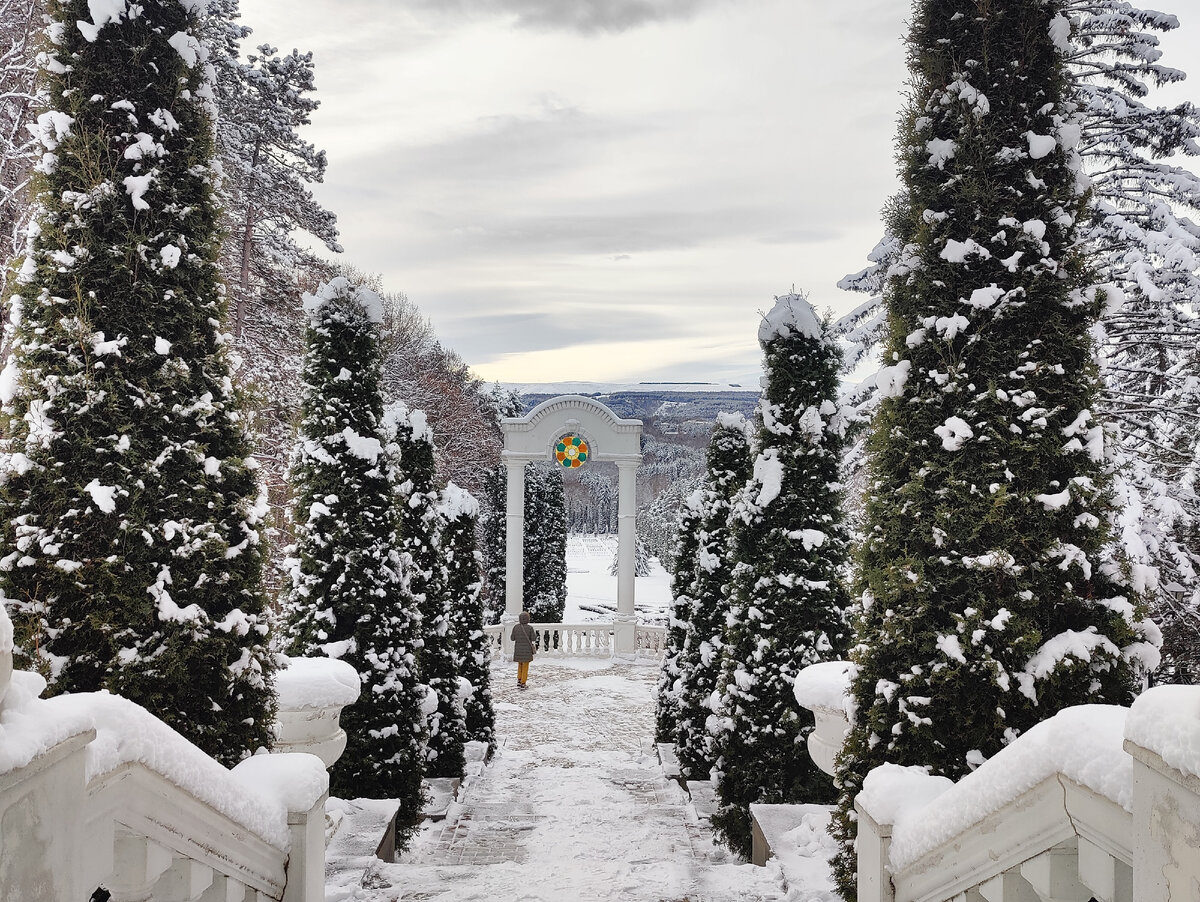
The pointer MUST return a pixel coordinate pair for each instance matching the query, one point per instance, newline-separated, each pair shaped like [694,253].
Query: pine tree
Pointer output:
[420,526]
[700,655]
[683,572]
[991,599]
[788,603]
[545,544]
[130,504]
[459,512]
[348,598]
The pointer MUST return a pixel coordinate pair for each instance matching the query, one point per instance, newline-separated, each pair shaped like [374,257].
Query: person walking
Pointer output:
[523,636]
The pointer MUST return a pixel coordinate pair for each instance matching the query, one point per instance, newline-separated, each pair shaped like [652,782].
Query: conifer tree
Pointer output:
[991,598]
[700,656]
[683,572]
[788,603]
[459,512]
[420,526]
[545,544]
[348,599]
[130,512]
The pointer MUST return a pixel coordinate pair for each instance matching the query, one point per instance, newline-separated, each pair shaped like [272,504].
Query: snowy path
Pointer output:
[573,808]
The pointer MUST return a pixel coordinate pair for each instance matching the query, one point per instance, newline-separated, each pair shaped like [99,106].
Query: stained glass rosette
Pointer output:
[571,452]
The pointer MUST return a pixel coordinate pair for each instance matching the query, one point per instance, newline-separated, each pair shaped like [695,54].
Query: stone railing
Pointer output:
[1098,802]
[570,640]
[96,792]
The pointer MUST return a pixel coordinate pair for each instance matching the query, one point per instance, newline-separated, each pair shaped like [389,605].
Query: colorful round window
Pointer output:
[571,451]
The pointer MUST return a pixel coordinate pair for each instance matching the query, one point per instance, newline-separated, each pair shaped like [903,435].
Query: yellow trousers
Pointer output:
[522,672]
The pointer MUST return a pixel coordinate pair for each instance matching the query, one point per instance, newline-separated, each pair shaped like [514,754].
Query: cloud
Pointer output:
[583,16]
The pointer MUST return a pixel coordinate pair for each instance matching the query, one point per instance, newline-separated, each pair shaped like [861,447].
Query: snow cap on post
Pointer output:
[791,315]
[338,288]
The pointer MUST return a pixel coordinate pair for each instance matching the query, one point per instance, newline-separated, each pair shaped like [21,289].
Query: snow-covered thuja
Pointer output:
[420,526]
[130,511]
[700,652]
[459,512]
[545,544]
[788,603]
[1140,223]
[348,598]
[991,598]
[683,572]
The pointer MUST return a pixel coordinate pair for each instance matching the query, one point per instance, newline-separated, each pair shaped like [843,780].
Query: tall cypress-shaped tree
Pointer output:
[683,572]
[348,598]
[545,544]
[991,599]
[788,607]
[700,658]
[459,512]
[130,512]
[420,525]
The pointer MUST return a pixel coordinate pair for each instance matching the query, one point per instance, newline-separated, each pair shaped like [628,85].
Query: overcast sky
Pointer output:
[609,190]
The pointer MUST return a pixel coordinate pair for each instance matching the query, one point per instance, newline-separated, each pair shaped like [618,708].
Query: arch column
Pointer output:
[624,638]
[514,549]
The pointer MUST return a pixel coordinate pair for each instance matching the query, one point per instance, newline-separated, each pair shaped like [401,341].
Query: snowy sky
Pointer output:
[609,190]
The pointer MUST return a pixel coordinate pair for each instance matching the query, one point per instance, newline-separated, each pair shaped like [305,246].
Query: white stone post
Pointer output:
[1166,794]
[306,864]
[625,628]
[873,846]
[514,551]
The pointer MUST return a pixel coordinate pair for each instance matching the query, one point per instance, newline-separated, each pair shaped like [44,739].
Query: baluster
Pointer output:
[137,865]
[226,889]
[184,881]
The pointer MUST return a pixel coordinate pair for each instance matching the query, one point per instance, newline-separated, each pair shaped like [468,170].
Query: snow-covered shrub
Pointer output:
[349,599]
[459,512]
[700,653]
[787,601]
[990,595]
[130,510]
[683,572]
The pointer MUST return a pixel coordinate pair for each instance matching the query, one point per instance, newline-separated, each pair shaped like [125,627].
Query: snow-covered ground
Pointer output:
[592,591]
[574,806]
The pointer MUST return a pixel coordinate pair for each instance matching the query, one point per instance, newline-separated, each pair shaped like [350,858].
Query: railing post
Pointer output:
[873,846]
[1162,735]
[306,863]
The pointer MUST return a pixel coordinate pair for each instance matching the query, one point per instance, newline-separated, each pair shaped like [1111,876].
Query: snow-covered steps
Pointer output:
[364,835]
[666,757]
[704,798]
[440,792]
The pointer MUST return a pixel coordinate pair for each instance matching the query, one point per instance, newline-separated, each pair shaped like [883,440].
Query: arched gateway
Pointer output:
[572,432]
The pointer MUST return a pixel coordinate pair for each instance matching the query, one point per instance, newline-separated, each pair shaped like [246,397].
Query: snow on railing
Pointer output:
[568,640]
[97,792]
[1097,802]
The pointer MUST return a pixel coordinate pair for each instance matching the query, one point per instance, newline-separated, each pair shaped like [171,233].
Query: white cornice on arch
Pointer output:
[610,437]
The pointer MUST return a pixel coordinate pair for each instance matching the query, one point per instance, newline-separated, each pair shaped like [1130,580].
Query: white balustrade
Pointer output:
[1098,802]
[95,792]
[596,639]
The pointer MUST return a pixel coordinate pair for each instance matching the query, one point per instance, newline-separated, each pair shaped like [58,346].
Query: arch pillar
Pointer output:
[514,549]
[624,638]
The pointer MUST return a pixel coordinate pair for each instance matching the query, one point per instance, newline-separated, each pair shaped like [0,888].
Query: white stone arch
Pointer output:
[610,438]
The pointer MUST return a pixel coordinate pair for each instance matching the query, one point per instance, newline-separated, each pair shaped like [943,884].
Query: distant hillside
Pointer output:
[661,404]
